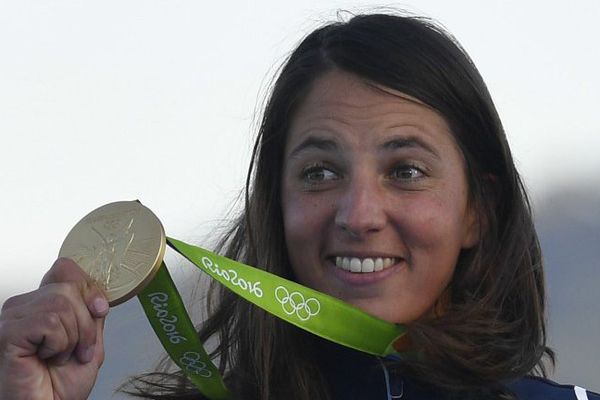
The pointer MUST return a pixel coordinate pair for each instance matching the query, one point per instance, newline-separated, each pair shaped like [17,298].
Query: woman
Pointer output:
[381,176]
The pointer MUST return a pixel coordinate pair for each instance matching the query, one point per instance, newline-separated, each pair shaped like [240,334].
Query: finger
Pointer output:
[66,301]
[88,338]
[42,333]
[60,302]
[55,344]
[97,350]
[96,301]
[66,270]
[84,332]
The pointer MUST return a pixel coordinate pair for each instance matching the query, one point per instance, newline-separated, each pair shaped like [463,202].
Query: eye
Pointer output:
[318,173]
[407,173]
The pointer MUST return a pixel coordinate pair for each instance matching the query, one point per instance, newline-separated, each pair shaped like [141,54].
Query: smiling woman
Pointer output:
[381,175]
[372,178]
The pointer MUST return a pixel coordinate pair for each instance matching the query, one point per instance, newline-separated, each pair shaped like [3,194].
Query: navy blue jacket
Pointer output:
[356,376]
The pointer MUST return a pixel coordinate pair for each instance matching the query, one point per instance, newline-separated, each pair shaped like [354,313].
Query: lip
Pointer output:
[361,254]
[363,279]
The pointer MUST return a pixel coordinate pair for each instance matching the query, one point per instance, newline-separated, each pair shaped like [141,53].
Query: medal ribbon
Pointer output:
[318,313]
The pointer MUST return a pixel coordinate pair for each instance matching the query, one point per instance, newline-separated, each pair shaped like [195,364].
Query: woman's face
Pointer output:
[374,198]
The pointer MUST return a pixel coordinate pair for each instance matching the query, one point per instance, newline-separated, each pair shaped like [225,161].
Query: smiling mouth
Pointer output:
[364,265]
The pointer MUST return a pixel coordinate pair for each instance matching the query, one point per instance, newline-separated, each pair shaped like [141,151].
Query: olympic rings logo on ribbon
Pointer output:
[294,303]
[193,364]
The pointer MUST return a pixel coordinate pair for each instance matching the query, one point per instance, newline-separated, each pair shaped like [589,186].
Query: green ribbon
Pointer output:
[172,324]
[304,307]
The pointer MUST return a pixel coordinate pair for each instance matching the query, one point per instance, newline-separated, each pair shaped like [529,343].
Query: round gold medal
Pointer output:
[120,246]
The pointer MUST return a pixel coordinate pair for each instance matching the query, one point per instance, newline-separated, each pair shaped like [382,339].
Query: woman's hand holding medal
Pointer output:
[51,343]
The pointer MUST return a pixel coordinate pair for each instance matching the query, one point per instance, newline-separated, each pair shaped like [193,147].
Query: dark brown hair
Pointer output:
[492,328]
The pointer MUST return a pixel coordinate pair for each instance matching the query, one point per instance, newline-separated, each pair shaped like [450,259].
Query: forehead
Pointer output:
[344,106]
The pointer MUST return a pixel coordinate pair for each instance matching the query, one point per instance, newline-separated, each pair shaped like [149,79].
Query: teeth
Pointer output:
[365,265]
[355,265]
[368,265]
[378,264]
[346,264]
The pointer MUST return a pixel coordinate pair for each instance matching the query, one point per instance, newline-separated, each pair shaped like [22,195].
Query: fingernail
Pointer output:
[100,305]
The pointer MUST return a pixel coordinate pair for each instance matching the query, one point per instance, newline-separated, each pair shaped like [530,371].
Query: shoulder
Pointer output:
[535,388]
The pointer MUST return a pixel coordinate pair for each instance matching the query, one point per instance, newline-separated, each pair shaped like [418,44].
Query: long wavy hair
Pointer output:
[492,329]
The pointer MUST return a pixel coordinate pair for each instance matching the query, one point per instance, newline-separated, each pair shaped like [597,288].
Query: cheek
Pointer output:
[304,218]
[305,228]
[436,220]
[435,226]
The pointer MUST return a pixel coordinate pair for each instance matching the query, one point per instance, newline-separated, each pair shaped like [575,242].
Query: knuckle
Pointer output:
[59,303]
[69,290]
[51,320]
[77,290]
[9,303]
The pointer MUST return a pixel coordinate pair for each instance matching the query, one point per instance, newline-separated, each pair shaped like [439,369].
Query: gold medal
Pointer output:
[120,246]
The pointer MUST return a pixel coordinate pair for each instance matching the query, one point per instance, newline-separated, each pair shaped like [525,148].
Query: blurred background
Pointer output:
[158,101]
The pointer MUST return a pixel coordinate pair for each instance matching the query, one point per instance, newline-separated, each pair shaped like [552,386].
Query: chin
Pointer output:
[384,313]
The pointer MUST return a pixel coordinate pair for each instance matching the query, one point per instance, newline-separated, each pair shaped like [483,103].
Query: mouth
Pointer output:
[365,265]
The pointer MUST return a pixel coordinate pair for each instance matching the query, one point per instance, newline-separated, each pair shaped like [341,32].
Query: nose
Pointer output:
[361,208]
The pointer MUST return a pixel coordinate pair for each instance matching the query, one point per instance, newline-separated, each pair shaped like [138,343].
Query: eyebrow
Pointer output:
[313,142]
[325,144]
[410,142]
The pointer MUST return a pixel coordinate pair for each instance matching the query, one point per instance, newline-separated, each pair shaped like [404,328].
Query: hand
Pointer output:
[51,345]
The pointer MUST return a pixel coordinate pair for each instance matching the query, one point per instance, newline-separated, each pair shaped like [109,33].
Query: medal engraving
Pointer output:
[120,246]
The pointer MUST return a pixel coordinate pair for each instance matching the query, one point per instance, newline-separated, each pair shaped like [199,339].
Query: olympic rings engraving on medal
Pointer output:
[193,365]
[295,303]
